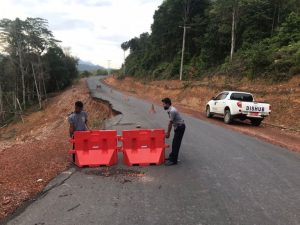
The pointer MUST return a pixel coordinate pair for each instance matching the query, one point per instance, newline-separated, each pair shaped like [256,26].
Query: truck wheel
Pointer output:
[256,122]
[227,116]
[208,113]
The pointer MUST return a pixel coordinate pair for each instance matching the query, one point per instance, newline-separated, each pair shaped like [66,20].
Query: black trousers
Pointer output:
[178,135]
[73,155]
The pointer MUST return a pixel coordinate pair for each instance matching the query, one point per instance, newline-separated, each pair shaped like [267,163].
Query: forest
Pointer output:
[32,65]
[238,38]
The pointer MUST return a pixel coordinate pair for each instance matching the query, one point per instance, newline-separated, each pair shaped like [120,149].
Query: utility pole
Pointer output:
[108,67]
[183,48]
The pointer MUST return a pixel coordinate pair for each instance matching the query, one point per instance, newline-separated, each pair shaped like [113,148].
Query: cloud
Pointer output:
[93,3]
[94,29]
[117,38]
[70,24]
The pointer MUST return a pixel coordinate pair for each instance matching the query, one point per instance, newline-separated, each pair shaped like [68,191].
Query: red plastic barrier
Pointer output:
[95,148]
[144,147]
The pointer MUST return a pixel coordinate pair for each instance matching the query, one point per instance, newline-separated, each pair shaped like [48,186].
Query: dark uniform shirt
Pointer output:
[78,120]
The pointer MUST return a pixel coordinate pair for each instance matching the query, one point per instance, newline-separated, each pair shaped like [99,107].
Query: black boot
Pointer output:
[170,163]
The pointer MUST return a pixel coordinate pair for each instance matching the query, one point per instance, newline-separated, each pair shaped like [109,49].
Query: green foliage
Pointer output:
[101,72]
[85,74]
[32,65]
[61,69]
[287,61]
[289,31]
[277,57]
[160,52]
[266,33]
[162,71]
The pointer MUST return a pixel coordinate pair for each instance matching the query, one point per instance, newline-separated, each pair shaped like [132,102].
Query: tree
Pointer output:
[124,47]
[235,8]
[163,47]
[220,31]
[25,65]
[61,69]
[21,38]
[13,36]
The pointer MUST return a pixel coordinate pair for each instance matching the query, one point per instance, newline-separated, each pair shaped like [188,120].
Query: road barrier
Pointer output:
[143,147]
[99,148]
[95,148]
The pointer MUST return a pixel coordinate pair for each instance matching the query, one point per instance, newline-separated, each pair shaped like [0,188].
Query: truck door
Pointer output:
[221,104]
[215,101]
[218,102]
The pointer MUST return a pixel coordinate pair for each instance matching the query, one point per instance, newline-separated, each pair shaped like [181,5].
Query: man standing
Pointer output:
[179,127]
[77,121]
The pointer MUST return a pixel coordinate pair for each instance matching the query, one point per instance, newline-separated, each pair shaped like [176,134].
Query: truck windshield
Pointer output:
[241,97]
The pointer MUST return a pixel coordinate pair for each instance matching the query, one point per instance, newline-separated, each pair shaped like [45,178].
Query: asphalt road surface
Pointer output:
[224,177]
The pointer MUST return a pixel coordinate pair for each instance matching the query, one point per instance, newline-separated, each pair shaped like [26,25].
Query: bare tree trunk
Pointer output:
[1,104]
[187,6]
[36,86]
[278,12]
[40,86]
[273,22]
[44,86]
[233,27]
[15,101]
[22,75]
[21,111]
[33,87]
[42,75]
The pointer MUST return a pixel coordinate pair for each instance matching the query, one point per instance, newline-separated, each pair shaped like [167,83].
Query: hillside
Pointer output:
[88,66]
[240,38]
[282,127]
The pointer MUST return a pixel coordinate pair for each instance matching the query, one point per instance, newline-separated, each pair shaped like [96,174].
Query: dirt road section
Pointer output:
[191,97]
[34,152]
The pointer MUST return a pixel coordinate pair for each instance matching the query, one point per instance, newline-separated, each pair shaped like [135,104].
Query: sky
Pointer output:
[93,29]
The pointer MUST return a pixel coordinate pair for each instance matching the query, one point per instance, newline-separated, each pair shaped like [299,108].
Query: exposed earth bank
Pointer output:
[34,152]
[281,128]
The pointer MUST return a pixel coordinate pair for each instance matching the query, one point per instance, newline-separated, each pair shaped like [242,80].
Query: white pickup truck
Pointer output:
[240,105]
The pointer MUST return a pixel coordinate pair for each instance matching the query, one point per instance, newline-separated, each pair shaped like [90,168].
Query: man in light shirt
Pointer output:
[177,122]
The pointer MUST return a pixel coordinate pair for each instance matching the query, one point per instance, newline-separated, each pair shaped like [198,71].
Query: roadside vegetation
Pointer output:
[240,38]
[98,72]
[32,65]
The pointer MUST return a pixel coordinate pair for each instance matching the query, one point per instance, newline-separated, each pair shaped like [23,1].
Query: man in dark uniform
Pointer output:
[179,127]
[77,121]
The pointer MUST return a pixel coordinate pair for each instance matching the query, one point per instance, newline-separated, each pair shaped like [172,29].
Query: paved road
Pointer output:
[224,177]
